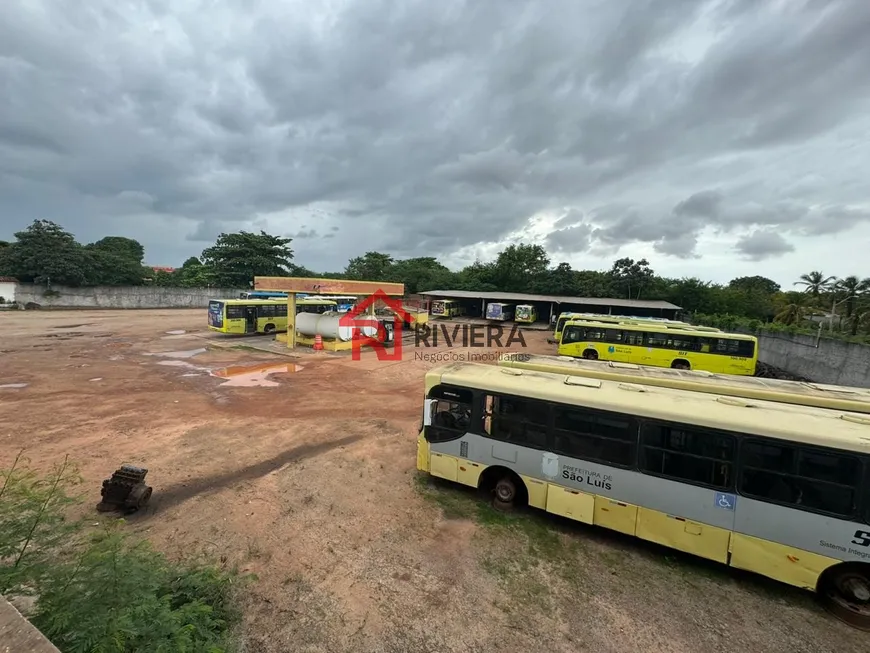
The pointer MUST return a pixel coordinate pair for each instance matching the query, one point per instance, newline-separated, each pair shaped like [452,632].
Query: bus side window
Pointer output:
[653,339]
[572,334]
[520,421]
[696,456]
[590,436]
[824,482]
[613,335]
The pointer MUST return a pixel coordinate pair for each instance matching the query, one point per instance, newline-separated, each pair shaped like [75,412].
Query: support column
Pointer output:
[291,320]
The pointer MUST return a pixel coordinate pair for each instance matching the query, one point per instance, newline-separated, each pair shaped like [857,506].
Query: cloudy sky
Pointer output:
[716,138]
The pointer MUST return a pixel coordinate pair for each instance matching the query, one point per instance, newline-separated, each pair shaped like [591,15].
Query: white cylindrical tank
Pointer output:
[328,326]
[306,323]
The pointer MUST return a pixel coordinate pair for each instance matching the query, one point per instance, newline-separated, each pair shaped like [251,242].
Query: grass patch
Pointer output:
[455,502]
[104,590]
[525,548]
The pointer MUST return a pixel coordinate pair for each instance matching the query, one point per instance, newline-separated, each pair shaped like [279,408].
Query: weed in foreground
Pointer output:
[104,591]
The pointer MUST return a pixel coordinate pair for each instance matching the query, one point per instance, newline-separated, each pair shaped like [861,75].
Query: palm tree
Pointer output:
[815,283]
[852,287]
[794,310]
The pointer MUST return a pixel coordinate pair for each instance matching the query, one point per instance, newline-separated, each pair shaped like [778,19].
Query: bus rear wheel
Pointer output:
[504,493]
[681,365]
[845,592]
[590,354]
[269,328]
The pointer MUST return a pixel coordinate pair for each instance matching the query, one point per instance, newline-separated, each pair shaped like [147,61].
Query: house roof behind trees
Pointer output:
[653,304]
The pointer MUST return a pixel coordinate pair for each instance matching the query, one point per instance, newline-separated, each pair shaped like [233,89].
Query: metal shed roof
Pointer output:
[555,299]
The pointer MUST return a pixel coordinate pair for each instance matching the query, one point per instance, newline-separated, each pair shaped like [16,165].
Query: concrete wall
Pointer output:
[121,296]
[17,635]
[833,361]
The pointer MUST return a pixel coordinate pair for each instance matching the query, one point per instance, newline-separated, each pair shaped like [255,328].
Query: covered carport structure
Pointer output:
[549,305]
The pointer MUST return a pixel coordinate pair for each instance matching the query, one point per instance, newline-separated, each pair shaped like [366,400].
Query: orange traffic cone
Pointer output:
[318,343]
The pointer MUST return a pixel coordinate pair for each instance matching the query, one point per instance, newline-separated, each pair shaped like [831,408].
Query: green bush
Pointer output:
[105,592]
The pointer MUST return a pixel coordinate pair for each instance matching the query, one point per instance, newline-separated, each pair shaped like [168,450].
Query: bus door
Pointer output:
[250,319]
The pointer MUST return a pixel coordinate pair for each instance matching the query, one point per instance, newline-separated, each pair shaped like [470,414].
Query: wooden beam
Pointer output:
[327,286]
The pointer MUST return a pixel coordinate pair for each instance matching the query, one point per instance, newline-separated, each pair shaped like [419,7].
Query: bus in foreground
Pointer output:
[819,395]
[660,346]
[447,308]
[781,490]
[245,316]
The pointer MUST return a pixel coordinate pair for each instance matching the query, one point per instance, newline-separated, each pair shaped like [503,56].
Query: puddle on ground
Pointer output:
[13,385]
[185,353]
[98,378]
[176,332]
[251,376]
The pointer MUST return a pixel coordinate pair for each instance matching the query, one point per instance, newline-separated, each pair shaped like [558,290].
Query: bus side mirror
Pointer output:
[428,411]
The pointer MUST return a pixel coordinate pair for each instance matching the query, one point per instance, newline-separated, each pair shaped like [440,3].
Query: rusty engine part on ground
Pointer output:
[125,490]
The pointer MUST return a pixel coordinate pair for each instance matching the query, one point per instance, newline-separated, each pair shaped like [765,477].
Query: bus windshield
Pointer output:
[216,314]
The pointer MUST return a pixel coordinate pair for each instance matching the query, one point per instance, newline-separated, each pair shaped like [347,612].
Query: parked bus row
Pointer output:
[522,313]
[777,484]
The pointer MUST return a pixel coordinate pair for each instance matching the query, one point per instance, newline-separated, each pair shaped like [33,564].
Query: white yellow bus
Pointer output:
[660,346]
[246,316]
[781,490]
[819,395]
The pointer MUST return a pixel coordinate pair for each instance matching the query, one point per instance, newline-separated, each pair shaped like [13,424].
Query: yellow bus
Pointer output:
[447,308]
[650,344]
[526,313]
[819,395]
[615,319]
[241,316]
[781,490]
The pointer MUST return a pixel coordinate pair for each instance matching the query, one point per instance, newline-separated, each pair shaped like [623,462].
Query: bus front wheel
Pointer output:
[590,354]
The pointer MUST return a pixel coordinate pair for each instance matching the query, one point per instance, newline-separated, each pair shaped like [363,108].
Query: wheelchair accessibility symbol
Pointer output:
[611,349]
[725,501]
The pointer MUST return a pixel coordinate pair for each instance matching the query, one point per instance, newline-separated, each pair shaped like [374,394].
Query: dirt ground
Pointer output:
[309,482]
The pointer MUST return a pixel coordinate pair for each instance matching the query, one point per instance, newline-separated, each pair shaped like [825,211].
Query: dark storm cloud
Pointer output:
[576,238]
[425,126]
[762,244]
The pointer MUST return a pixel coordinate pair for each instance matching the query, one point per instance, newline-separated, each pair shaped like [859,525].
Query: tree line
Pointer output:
[47,254]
